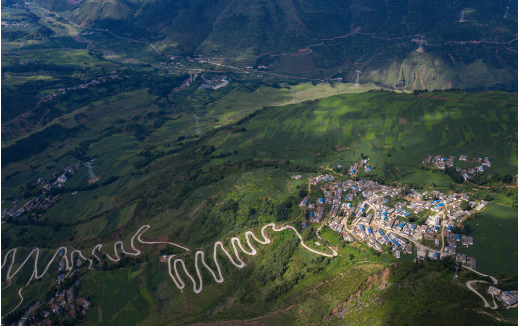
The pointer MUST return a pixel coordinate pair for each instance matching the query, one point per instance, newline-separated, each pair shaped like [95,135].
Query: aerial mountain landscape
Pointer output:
[259,162]
[320,39]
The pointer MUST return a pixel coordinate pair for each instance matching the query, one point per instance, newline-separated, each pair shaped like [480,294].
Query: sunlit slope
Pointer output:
[390,128]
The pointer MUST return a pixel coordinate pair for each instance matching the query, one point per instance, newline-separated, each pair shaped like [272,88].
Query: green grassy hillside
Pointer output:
[119,81]
[395,131]
[234,177]
[391,129]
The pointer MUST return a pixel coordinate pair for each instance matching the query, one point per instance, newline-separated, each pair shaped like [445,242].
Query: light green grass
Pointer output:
[495,240]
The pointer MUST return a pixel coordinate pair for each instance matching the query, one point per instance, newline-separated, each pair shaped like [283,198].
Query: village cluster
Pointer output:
[44,201]
[382,215]
[97,81]
[63,265]
[207,83]
[15,23]
[259,67]
[354,168]
[179,63]
[364,163]
[441,162]
[174,63]
[64,301]
[507,298]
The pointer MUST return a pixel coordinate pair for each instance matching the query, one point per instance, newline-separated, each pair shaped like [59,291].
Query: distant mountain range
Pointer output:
[466,44]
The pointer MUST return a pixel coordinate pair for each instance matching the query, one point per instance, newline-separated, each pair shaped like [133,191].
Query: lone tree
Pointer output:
[464,205]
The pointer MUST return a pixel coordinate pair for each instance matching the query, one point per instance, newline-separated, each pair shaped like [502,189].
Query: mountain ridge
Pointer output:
[339,37]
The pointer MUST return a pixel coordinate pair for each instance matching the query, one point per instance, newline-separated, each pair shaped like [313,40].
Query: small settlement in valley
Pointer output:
[472,166]
[49,193]
[64,300]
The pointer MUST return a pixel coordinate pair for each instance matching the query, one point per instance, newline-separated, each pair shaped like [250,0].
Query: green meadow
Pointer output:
[495,240]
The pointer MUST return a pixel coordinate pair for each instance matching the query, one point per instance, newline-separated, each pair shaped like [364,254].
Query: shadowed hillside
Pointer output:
[320,39]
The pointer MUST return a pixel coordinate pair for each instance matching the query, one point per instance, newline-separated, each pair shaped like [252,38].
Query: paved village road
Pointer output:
[475,271]
[469,285]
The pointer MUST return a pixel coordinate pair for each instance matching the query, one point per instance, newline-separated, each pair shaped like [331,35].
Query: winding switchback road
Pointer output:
[172,264]
[236,243]
[475,271]
[69,263]
[469,285]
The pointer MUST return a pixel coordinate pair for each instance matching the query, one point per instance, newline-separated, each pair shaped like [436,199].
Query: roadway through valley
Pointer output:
[308,48]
